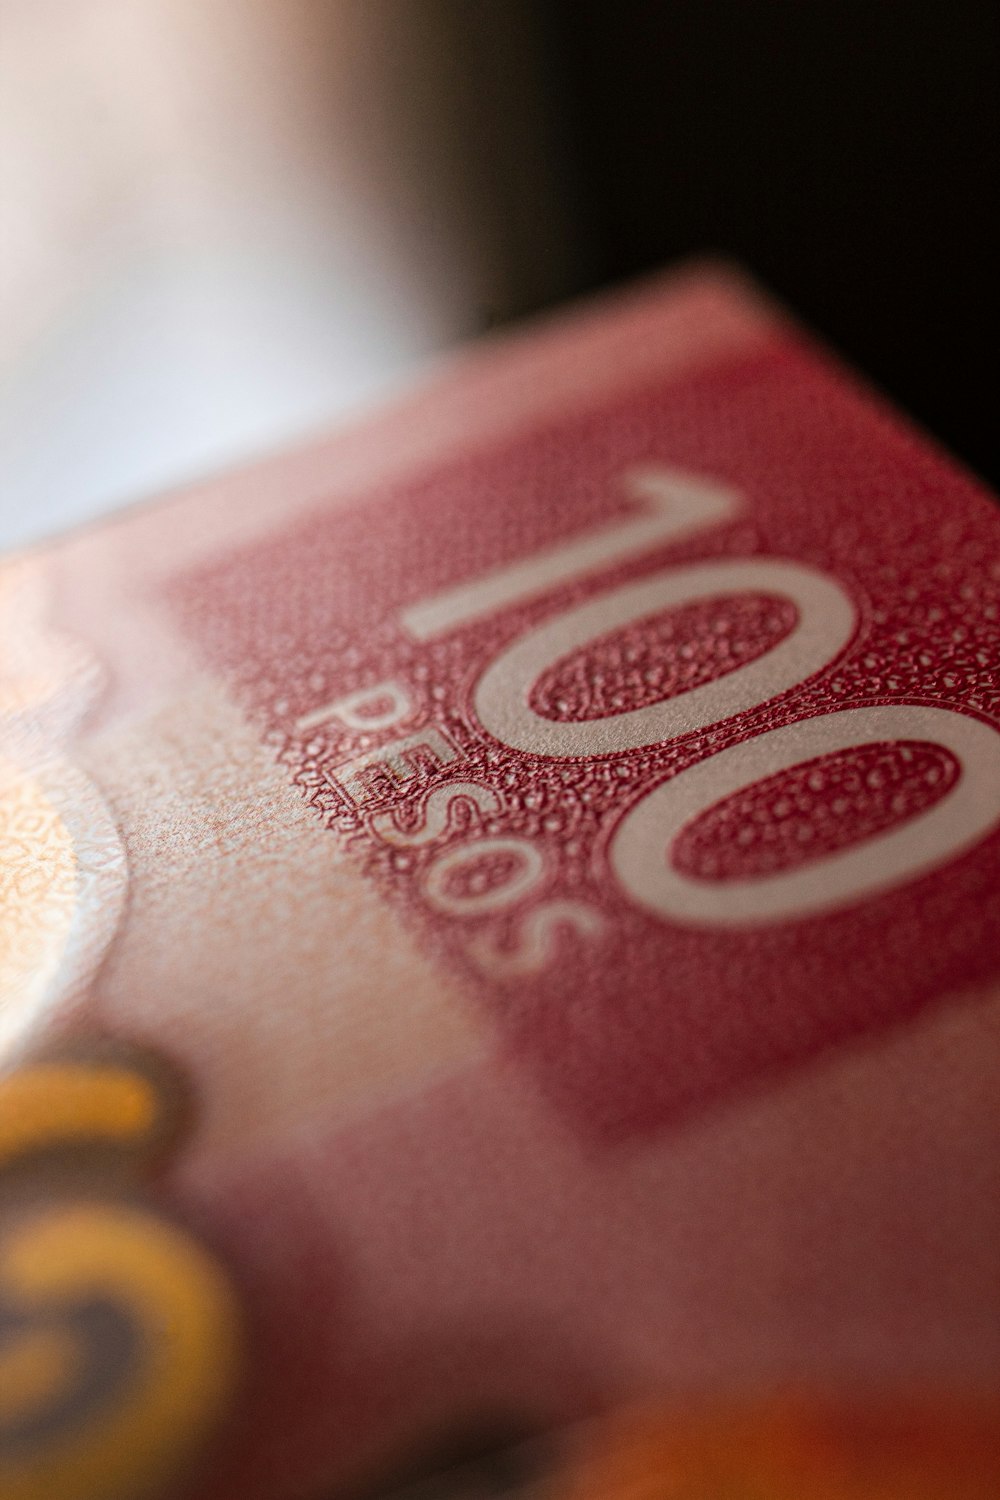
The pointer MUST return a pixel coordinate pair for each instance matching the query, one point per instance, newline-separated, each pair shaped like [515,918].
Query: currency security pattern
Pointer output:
[703,682]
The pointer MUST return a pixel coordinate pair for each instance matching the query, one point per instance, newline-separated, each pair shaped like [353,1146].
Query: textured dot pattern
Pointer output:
[814,809]
[629,1031]
[656,659]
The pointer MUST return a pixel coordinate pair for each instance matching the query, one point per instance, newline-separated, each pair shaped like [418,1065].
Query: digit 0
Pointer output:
[825,623]
[640,849]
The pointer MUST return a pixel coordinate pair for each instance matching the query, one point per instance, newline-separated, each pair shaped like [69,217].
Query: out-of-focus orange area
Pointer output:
[62,1102]
[792,1448]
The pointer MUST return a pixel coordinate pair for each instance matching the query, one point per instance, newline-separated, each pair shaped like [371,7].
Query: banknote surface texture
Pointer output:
[539,853]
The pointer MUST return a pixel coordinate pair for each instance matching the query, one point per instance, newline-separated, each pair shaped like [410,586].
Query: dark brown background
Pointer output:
[846,150]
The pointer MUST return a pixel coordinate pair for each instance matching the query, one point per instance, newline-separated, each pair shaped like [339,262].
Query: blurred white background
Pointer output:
[228,222]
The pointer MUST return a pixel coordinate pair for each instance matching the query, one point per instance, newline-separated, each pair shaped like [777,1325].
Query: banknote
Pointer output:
[499,935]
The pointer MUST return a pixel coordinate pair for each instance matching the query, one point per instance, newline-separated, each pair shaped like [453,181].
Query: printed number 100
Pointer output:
[675,507]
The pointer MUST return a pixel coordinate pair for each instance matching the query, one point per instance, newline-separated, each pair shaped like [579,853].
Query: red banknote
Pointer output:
[500,928]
